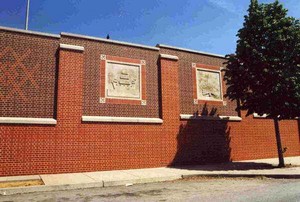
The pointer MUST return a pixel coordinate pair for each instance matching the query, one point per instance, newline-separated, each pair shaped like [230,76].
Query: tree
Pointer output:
[264,73]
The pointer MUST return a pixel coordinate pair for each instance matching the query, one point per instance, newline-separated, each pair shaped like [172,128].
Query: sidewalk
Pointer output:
[253,168]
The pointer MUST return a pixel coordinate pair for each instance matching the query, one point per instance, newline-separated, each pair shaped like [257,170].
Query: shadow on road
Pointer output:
[229,166]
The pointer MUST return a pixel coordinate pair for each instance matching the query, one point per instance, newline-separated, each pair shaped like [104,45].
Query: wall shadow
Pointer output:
[159,80]
[299,129]
[56,85]
[205,145]
[201,141]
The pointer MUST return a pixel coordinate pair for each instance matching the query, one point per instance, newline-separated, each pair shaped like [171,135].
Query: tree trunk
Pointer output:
[278,141]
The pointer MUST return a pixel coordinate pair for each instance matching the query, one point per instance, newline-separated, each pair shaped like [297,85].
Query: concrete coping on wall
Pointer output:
[201,117]
[265,116]
[29,32]
[71,47]
[189,50]
[25,120]
[256,115]
[108,41]
[170,57]
[120,119]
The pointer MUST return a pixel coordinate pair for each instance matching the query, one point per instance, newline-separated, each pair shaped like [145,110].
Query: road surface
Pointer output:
[196,189]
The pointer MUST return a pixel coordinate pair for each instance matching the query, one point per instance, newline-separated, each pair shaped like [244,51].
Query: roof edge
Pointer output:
[109,41]
[189,50]
[29,32]
[156,48]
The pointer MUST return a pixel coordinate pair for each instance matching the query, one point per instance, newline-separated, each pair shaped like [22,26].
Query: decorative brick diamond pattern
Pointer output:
[15,76]
[28,70]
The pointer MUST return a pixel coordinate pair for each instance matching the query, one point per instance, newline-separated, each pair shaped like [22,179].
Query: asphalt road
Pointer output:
[199,189]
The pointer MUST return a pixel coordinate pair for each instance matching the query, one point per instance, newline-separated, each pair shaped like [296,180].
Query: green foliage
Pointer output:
[264,74]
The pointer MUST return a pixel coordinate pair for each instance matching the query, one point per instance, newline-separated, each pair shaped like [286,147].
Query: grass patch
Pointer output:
[24,183]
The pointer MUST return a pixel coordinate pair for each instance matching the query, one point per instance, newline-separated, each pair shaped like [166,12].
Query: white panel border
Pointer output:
[265,116]
[170,57]
[25,120]
[200,117]
[120,119]
[255,115]
[71,47]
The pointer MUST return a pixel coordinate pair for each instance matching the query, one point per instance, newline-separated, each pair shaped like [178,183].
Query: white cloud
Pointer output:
[228,5]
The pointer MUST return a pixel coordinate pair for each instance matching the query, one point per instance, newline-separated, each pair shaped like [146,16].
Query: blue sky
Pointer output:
[205,25]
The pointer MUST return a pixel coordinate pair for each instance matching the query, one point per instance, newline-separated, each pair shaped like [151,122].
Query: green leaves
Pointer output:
[264,74]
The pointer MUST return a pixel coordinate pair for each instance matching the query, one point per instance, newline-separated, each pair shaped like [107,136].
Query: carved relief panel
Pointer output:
[208,86]
[122,80]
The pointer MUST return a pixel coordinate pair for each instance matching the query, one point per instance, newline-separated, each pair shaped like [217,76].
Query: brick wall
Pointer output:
[76,146]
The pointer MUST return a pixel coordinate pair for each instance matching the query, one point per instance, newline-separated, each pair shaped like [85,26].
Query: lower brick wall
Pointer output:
[90,147]
[254,138]
[203,142]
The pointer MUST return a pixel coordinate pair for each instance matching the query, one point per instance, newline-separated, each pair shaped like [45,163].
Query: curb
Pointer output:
[65,187]
[274,176]
[129,182]
[45,188]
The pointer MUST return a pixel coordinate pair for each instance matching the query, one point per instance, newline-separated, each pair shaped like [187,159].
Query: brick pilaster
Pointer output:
[70,87]
[170,106]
